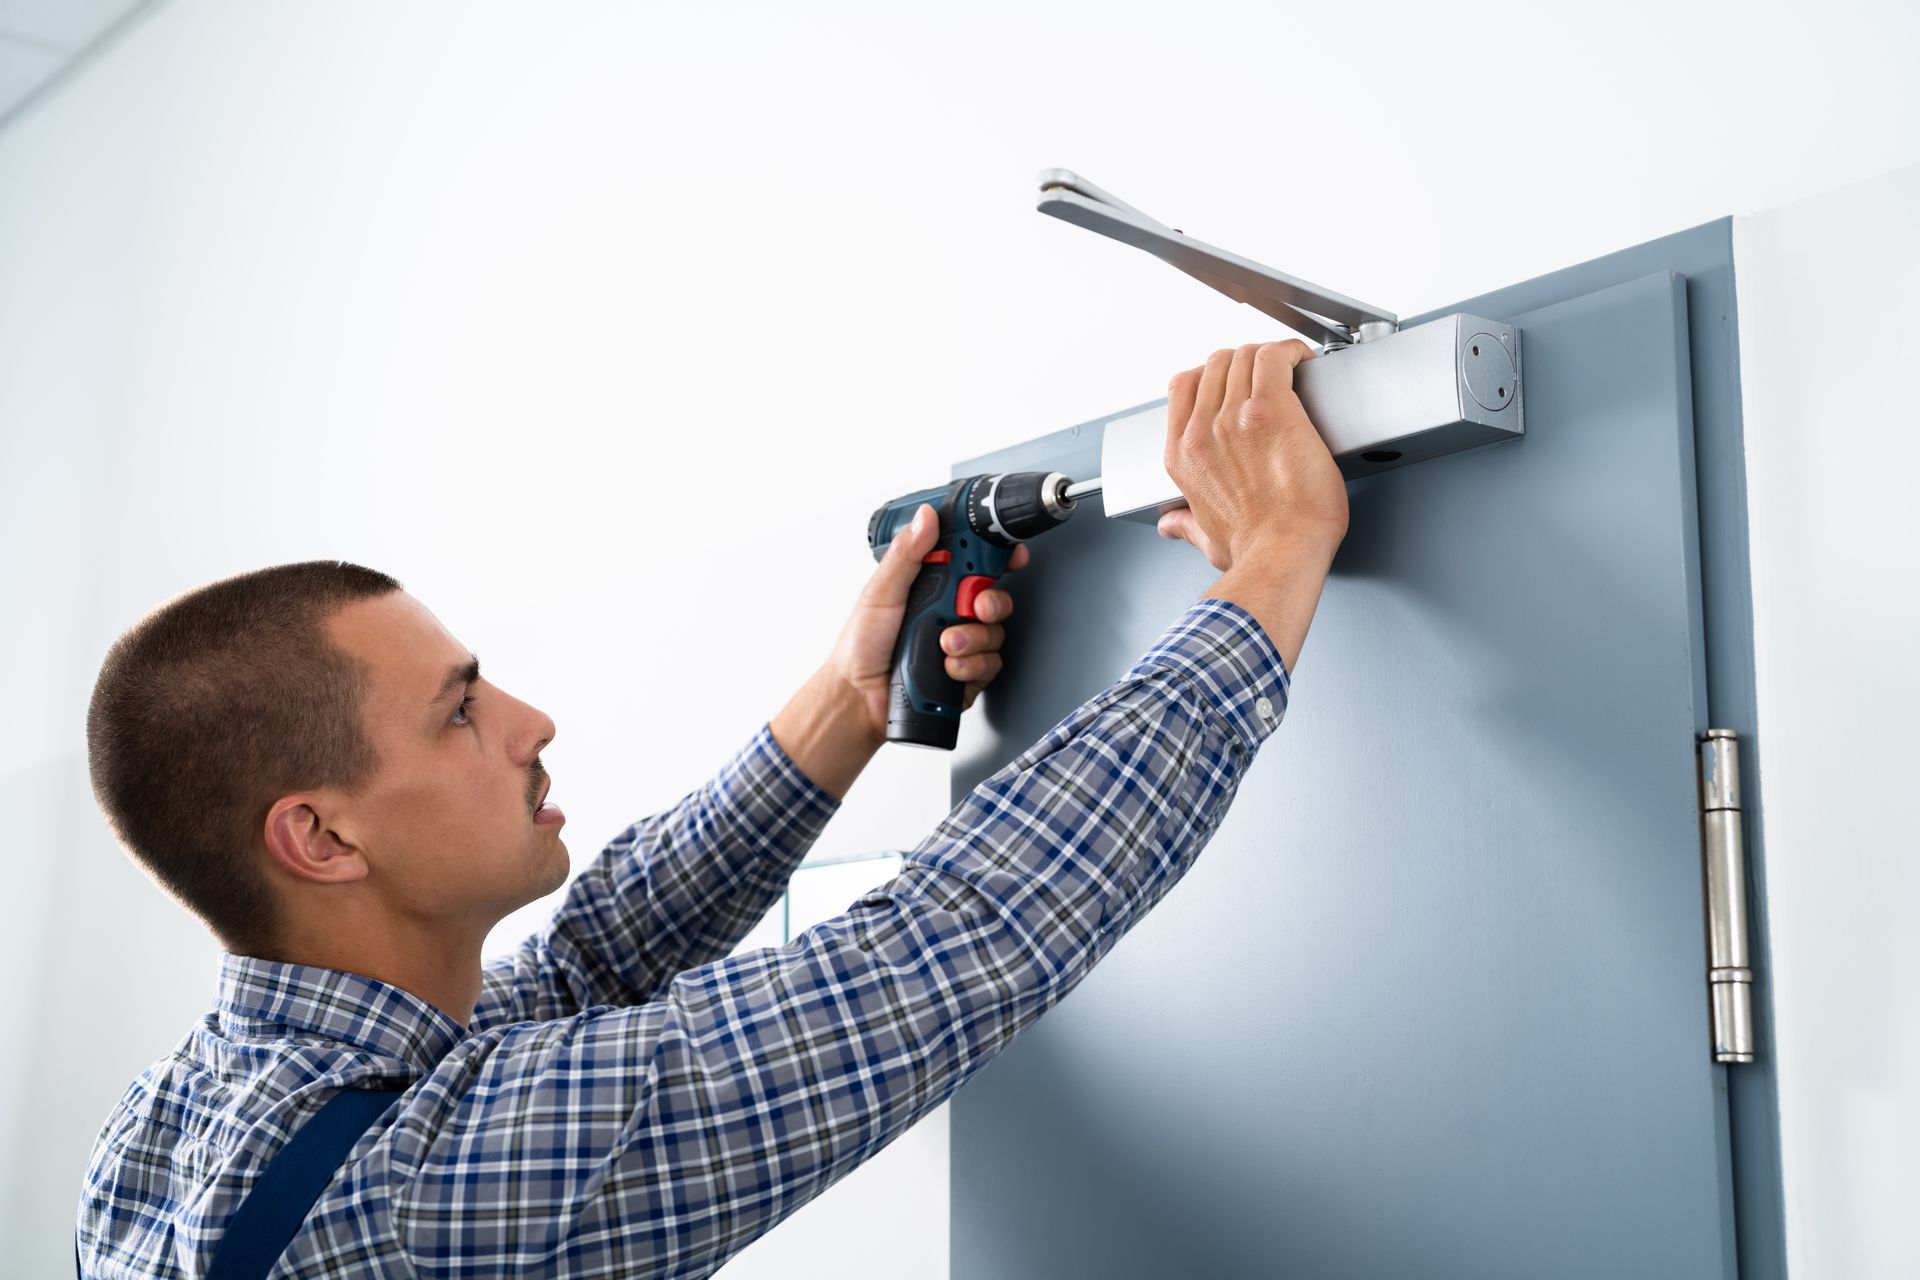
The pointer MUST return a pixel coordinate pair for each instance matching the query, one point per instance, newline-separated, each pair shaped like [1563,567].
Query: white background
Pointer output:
[604,326]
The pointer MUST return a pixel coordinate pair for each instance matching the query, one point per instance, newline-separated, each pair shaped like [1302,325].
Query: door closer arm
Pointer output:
[1320,314]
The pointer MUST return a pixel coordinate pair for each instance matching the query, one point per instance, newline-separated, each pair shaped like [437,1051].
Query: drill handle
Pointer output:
[923,701]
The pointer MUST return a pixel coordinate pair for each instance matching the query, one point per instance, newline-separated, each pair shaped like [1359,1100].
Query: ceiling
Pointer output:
[44,41]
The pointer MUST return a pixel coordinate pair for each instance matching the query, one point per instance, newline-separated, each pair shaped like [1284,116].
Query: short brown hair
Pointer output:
[210,709]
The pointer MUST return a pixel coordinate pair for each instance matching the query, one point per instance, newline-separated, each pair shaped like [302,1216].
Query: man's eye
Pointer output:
[462,711]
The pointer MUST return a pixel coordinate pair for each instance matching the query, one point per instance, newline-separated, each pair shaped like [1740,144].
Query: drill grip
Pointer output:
[923,701]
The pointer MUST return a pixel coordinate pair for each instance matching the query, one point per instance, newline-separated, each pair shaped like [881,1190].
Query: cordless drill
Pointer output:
[982,519]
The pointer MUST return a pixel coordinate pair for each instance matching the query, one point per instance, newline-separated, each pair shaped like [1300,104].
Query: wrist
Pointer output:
[1279,582]
[1300,541]
[827,731]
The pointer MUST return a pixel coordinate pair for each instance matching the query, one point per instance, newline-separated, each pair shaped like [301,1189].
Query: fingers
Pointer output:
[992,605]
[1273,366]
[973,648]
[1180,395]
[1213,388]
[973,637]
[976,668]
[1018,560]
[1240,377]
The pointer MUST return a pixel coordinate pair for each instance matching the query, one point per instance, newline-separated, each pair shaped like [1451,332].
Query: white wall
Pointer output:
[1831,460]
[604,326]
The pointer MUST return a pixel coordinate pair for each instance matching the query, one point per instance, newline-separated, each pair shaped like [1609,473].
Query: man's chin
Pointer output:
[559,869]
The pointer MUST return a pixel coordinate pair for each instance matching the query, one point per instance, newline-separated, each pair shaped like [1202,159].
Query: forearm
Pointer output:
[827,732]
[1279,583]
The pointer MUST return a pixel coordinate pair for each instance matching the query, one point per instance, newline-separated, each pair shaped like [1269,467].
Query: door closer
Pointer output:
[1381,396]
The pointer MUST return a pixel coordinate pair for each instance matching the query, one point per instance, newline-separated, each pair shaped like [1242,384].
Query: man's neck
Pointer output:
[439,965]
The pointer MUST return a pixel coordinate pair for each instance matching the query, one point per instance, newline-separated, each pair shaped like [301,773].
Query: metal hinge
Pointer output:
[1724,851]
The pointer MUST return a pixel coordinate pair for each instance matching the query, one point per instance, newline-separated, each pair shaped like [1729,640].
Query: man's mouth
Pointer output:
[547,814]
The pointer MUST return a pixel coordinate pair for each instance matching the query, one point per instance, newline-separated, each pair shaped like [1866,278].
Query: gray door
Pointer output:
[1431,1002]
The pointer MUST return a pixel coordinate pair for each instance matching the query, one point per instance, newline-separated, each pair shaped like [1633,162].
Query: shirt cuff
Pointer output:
[1227,655]
[778,787]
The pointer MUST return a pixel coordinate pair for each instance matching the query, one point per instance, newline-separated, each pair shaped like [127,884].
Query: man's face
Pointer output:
[447,821]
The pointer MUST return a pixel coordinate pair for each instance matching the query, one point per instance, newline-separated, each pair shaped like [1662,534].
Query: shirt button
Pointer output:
[1264,707]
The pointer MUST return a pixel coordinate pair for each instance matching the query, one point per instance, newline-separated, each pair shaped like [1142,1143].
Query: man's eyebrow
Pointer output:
[458,677]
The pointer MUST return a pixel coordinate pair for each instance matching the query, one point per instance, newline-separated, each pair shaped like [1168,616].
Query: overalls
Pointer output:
[278,1203]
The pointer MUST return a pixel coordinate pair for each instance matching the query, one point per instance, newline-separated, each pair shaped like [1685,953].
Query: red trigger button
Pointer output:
[970,589]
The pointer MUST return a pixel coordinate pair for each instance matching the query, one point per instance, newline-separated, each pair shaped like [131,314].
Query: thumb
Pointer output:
[1177,523]
[1183,526]
[901,563]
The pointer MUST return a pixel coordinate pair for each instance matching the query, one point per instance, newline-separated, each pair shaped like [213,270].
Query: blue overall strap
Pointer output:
[278,1202]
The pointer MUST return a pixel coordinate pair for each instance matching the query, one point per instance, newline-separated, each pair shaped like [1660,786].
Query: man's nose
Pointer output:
[544,729]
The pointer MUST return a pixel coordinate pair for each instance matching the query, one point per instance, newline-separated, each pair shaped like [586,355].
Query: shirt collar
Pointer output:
[269,996]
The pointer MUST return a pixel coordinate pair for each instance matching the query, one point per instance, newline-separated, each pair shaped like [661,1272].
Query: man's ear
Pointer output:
[301,843]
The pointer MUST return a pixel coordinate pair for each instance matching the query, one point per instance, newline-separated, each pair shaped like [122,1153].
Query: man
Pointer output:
[308,760]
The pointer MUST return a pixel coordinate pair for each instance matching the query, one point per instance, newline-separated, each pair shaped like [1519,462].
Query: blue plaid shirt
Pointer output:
[628,1100]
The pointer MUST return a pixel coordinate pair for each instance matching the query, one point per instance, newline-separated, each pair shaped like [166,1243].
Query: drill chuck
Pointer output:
[1001,509]
[1016,505]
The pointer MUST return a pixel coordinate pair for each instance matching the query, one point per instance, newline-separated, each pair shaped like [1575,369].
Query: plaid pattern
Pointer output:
[626,1101]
